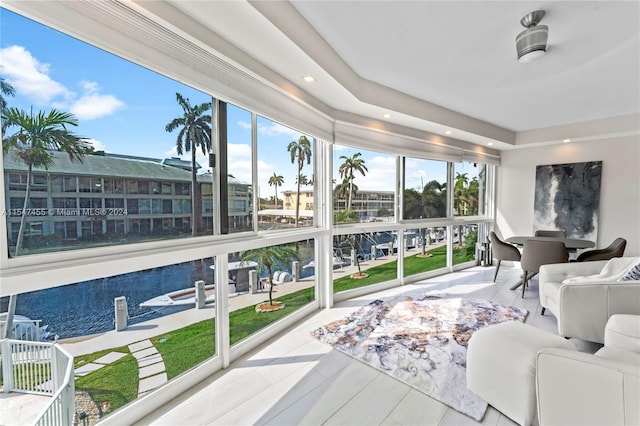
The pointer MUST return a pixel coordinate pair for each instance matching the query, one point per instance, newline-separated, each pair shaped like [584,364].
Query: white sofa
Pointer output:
[576,388]
[534,377]
[583,297]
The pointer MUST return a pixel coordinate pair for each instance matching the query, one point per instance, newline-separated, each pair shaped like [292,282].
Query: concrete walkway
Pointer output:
[151,369]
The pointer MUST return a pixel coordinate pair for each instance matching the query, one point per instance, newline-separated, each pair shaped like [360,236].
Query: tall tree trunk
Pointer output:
[298,195]
[350,192]
[23,219]
[194,190]
[270,285]
[276,196]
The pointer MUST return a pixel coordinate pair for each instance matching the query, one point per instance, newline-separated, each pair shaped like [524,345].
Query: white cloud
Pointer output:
[244,124]
[381,175]
[92,104]
[275,129]
[97,145]
[30,77]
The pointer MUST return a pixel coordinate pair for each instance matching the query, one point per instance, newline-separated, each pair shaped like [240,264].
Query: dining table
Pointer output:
[572,245]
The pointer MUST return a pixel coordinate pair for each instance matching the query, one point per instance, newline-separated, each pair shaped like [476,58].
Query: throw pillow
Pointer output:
[632,274]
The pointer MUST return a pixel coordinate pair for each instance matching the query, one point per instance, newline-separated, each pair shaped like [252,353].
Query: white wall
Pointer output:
[619,192]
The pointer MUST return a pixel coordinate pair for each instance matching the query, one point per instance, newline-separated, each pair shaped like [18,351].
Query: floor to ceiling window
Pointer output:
[285,176]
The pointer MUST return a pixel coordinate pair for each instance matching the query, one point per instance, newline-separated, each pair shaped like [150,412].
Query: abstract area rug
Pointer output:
[420,340]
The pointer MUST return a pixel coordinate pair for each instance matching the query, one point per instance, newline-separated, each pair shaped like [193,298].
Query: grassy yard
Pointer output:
[113,385]
[412,265]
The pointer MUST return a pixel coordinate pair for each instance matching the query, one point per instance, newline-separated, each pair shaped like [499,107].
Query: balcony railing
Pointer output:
[41,368]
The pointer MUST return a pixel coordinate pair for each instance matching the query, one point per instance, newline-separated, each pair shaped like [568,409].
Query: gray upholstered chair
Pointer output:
[537,253]
[545,233]
[502,251]
[615,249]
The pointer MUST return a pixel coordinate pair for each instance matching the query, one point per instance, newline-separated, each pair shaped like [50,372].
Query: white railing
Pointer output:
[41,368]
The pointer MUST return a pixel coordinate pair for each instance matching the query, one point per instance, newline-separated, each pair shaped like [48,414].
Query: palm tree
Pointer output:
[269,258]
[341,191]
[304,180]
[300,151]
[5,89]
[34,142]
[460,194]
[195,131]
[434,199]
[276,180]
[347,168]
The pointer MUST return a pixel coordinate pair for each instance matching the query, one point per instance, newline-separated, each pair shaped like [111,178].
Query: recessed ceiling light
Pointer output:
[490,144]
[309,79]
[387,116]
[566,140]
[448,132]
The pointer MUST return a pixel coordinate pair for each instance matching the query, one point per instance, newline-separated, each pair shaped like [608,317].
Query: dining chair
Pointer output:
[615,249]
[549,233]
[537,253]
[502,251]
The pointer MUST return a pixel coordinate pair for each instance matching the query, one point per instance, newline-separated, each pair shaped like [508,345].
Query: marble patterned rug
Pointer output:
[420,340]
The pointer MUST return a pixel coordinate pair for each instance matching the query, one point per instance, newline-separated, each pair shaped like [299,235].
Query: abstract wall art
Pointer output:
[567,197]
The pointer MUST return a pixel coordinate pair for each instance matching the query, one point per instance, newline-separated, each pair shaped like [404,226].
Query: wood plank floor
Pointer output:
[296,380]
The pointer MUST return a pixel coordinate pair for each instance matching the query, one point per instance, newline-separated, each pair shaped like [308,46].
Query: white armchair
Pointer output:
[583,307]
[576,388]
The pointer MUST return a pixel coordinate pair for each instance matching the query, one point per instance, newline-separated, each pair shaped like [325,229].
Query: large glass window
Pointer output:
[469,186]
[161,300]
[239,171]
[425,188]
[429,253]
[278,280]
[285,176]
[465,238]
[128,129]
[366,258]
[363,185]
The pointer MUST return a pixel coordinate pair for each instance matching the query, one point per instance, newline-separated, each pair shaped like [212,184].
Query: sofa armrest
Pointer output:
[623,331]
[558,272]
[585,308]
[580,388]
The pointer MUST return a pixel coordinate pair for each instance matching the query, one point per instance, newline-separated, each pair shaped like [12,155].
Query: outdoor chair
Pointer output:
[548,233]
[615,249]
[537,253]
[502,251]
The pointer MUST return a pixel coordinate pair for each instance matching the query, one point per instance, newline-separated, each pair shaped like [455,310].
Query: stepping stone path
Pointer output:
[151,369]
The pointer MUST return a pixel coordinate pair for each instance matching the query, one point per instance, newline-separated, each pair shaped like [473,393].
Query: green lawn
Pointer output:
[113,385]
[412,265]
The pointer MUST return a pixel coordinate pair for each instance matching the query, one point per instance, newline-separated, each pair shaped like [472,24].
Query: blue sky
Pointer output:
[123,108]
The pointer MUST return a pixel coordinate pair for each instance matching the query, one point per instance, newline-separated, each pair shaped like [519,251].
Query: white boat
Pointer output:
[179,300]
[185,298]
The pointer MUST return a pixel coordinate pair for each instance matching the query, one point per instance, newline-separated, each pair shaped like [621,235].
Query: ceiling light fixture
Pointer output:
[490,144]
[387,116]
[309,79]
[447,132]
[566,140]
[532,42]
